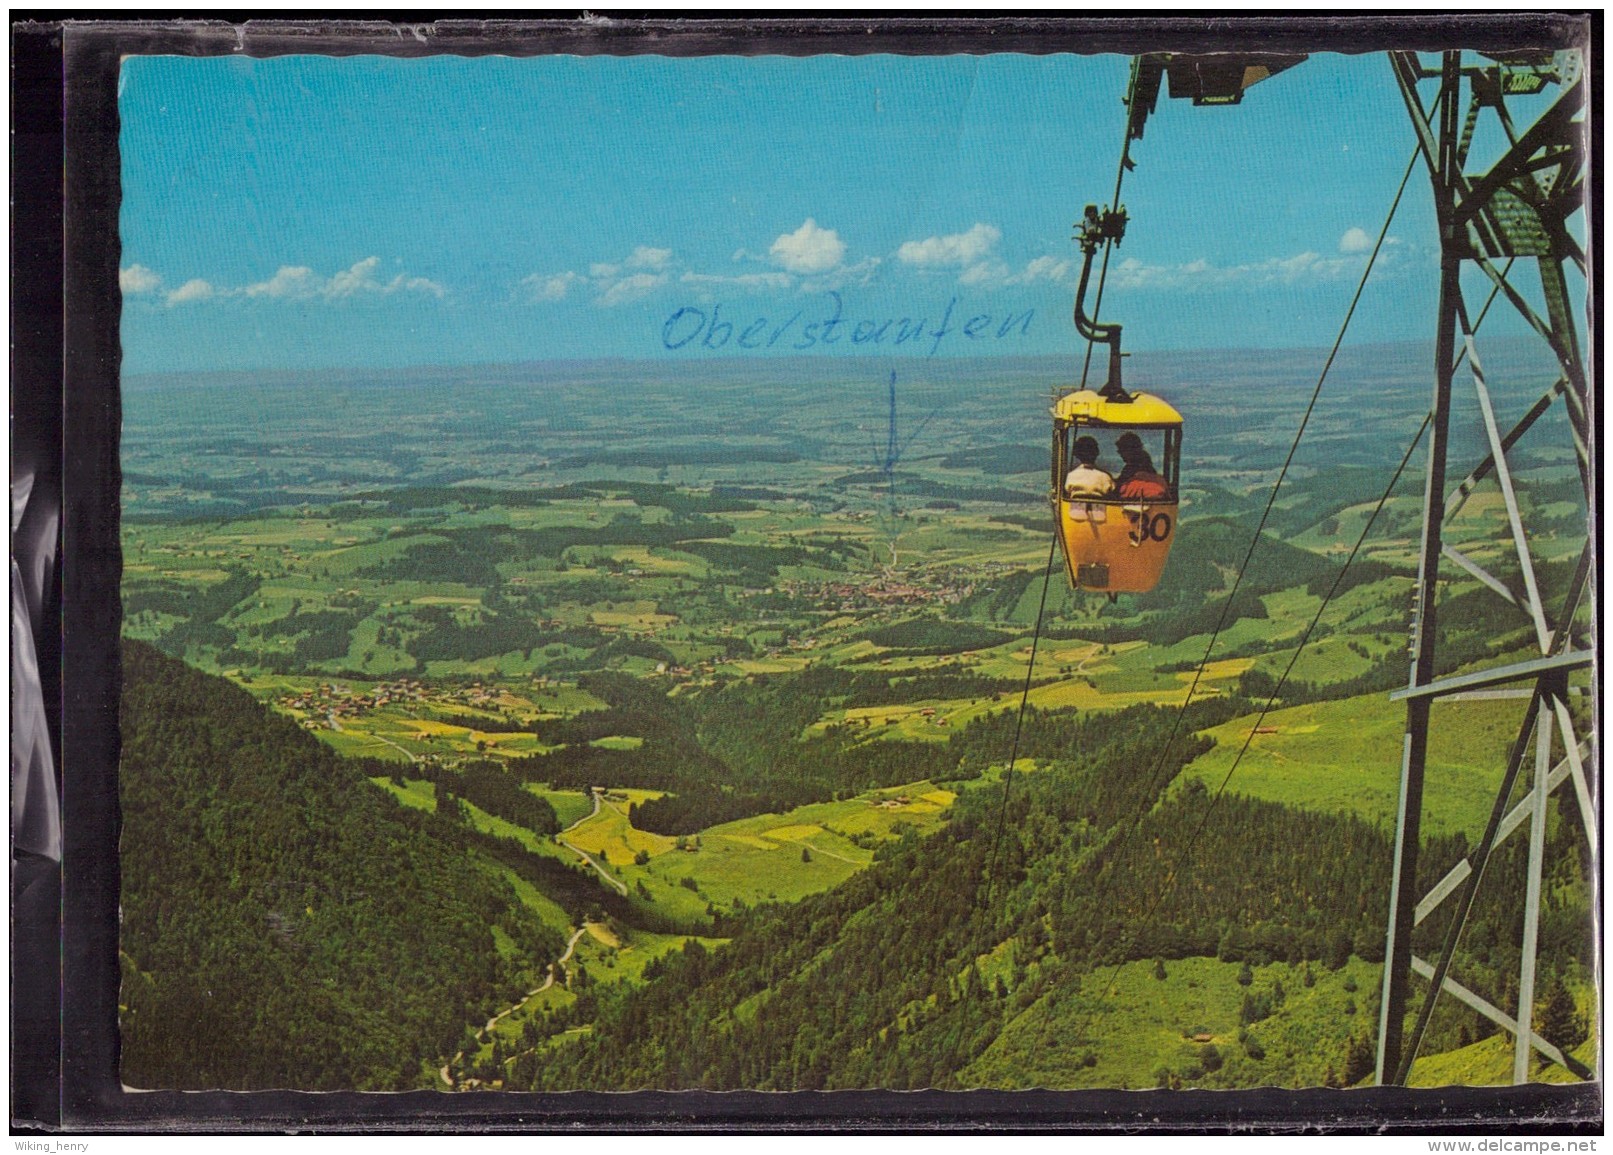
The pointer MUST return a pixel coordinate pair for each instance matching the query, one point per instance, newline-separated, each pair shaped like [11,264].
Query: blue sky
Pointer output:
[307,211]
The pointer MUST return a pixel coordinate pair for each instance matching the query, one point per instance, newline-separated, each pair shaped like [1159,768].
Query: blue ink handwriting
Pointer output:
[698,329]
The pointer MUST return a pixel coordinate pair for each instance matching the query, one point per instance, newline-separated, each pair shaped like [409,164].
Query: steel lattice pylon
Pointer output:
[1499,222]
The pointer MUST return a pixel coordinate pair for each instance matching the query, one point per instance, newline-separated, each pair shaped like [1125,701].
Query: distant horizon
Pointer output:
[306,212]
[781,362]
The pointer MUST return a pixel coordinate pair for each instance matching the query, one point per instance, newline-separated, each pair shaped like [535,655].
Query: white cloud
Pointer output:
[549,287]
[812,260]
[808,250]
[639,274]
[759,282]
[1354,241]
[288,281]
[405,283]
[1044,269]
[1306,268]
[300,283]
[983,273]
[645,257]
[1287,270]
[613,281]
[138,279]
[192,290]
[992,272]
[857,275]
[631,288]
[359,278]
[955,250]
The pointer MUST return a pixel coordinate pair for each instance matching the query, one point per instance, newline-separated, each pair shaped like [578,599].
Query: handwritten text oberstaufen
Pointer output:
[826,328]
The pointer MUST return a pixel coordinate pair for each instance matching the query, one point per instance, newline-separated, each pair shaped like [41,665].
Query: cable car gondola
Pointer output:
[1115,541]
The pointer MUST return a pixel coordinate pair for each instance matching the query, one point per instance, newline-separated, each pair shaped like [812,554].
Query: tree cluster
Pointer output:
[284,923]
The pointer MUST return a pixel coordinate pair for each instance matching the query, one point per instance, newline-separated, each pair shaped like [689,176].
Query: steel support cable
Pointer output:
[1254,541]
[1120,176]
[1415,441]
[1271,501]
[1086,365]
[1306,636]
[1184,858]
[1019,722]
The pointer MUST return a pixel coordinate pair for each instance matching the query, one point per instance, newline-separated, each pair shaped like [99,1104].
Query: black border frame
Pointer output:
[66,254]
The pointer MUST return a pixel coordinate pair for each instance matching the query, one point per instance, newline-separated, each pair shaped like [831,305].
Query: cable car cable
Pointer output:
[1170,878]
[1112,851]
[1315,618]
[1120,176]
[1192,841]
[1254,541]
[1186,854]
[1019,722]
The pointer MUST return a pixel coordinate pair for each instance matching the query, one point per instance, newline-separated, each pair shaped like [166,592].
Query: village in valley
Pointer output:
[653,706]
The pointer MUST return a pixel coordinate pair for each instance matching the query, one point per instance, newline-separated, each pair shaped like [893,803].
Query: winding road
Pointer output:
[395,746]
[594,813]
[620,886]
[446,1072]
[805,845]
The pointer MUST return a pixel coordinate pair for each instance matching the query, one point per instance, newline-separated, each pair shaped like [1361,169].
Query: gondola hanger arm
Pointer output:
[1100,228]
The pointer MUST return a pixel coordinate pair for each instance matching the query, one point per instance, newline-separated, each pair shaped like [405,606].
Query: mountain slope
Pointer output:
[908,972]
[285,924]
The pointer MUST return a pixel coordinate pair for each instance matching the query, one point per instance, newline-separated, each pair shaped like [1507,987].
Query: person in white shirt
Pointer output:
[1086,479]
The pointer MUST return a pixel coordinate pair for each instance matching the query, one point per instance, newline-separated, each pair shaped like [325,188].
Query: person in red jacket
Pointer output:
[1138,479]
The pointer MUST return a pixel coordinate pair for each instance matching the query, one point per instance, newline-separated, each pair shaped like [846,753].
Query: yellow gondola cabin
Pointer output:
[1116,542]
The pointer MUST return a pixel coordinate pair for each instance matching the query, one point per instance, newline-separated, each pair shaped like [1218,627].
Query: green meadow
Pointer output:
[769,658]
[1343,756]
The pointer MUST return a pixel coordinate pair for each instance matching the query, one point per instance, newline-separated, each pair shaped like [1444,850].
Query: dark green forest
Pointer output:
[274,892]
[500,638]
[878,983]
[732,751]
[285,924]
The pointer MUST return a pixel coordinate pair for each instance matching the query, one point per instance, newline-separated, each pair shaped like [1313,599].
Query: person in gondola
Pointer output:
[1086,479]
[1138,480]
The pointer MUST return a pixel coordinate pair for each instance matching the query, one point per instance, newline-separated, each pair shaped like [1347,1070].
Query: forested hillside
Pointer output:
[954,954]
[715,714]
[285,924]
[908,972]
